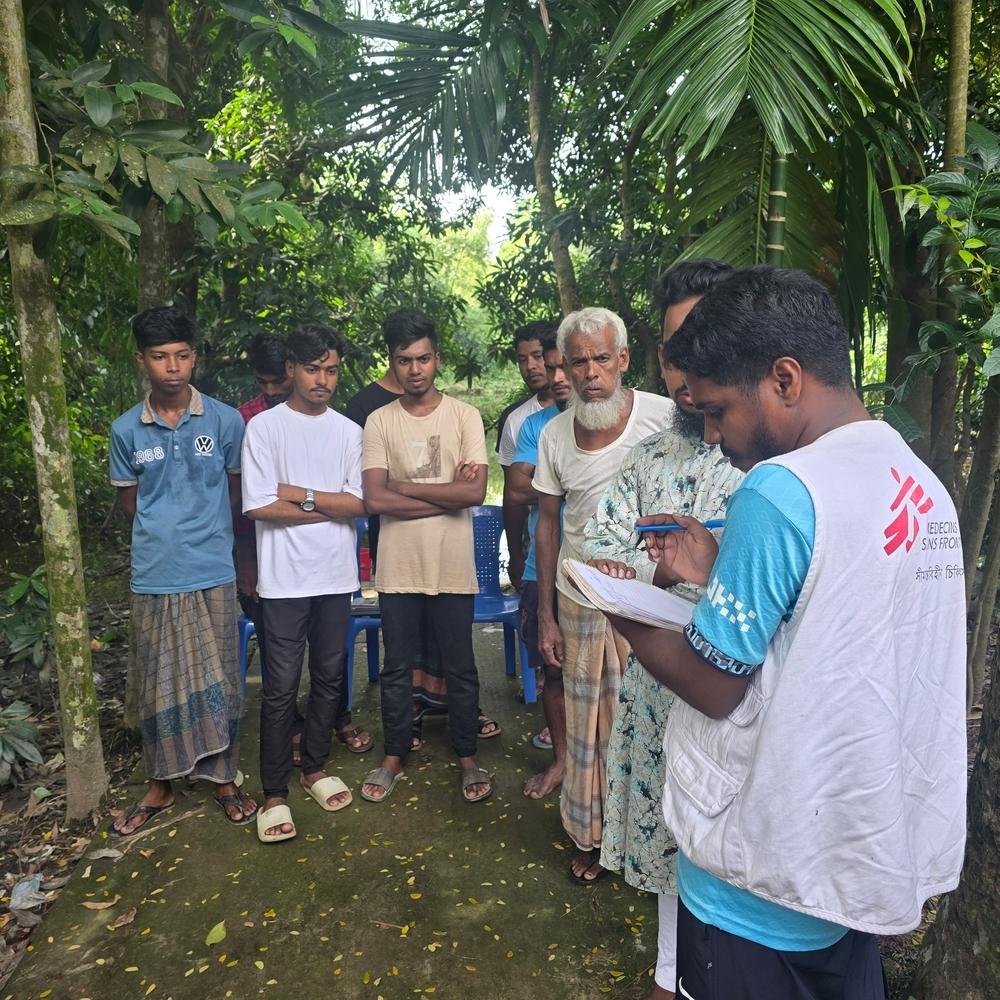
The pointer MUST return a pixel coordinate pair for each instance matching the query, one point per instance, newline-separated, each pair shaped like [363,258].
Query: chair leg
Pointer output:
[371,642]
[246,629]
[508,649]
[527,676]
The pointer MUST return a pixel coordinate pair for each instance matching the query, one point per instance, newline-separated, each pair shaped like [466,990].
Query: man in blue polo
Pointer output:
[175,458]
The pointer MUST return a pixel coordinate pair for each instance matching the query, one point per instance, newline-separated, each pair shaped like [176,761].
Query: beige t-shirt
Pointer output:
[564,469]
[429,555]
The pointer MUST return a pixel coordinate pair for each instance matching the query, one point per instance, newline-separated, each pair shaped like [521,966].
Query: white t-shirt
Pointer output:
[565,469]
[512,427]
[319,453]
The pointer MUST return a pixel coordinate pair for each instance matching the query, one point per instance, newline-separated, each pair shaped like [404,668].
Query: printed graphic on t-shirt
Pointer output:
[910,501]
[204,445]
[427,457]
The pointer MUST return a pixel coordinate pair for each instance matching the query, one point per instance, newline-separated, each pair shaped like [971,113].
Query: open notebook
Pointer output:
[633,599]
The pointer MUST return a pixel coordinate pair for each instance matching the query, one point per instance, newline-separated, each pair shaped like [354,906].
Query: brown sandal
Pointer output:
[346,735]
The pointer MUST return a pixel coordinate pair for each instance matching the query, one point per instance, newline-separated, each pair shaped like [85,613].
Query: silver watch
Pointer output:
[309,504]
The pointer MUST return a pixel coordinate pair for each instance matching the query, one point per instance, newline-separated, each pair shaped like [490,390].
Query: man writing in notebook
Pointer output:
[815,756]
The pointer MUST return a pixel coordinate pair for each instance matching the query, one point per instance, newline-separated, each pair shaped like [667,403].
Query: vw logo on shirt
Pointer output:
[204,445]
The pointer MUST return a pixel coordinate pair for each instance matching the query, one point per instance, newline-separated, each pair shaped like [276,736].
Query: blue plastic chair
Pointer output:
[492,605]
[364,618]
[247,631]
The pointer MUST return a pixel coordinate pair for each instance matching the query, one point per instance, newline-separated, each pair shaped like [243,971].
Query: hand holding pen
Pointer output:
[682,545]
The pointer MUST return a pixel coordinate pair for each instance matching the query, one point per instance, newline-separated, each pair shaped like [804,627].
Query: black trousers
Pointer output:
[290,622]
[251,608]
[713,964]
[406,620]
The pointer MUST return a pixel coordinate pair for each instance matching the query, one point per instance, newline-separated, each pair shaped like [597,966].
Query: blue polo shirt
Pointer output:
[527,451]
[182,535]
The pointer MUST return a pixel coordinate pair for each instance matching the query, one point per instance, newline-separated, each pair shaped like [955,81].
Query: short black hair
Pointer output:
[268,354]
[308,343]
[542,330]
[686,279]
[406,326]
[163,325]
[744,324]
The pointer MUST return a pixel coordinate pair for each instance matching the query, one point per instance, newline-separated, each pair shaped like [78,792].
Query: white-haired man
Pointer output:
[579,453]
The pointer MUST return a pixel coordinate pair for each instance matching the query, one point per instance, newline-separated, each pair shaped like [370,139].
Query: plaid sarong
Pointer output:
[187,676]
[592,670]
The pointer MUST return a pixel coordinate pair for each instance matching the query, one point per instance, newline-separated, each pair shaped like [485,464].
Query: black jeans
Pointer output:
[713,964]
[405,617]
[289,622]
[251,608]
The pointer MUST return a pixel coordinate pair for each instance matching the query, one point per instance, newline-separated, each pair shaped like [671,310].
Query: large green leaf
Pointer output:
[798,62]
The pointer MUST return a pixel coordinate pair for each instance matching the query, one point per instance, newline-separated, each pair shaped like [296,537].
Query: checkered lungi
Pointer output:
[187,676]
[592,669]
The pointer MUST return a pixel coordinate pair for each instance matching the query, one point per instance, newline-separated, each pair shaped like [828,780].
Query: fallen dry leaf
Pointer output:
[91,905]
[125,918]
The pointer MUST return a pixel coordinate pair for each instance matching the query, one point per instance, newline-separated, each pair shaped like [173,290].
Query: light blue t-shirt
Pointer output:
[182,535]
[756,580]
[527,451]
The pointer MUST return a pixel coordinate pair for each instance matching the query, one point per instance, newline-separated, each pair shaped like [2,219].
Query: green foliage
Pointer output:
[18,740]
[24,620]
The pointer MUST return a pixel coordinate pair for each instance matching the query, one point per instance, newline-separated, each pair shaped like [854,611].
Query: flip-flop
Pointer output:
[582,879]
[484,721]
[476,776]
[139,810]
[326,787]
[540,744]
[275,816]
[345,735]
[234,800]
[382,777]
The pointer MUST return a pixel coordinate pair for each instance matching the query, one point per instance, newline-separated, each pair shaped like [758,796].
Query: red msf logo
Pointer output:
[905,527]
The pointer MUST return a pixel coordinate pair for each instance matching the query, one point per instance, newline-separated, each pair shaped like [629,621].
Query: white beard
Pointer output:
[600,414]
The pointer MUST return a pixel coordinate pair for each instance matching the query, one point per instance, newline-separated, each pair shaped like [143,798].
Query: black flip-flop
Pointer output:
[582,879]
[352,734]
[139,810]
[235,800]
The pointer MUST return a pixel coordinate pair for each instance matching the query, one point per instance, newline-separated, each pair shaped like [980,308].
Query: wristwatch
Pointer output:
[309,504]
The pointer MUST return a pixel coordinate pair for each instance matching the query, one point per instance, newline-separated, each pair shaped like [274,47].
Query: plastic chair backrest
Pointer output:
[487,527]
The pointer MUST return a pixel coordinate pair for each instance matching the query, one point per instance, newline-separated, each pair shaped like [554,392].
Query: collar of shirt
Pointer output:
[196,408]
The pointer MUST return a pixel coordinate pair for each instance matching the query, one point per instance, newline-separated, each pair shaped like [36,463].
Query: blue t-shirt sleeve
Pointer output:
[527,443]
[232,438]
[122,471]
[762,564]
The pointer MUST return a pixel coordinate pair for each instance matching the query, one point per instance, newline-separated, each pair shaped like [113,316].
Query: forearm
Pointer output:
[287,513]
[448,496]
[668,656]
[515,517]
[246,550]
[546,557]
[385,501]
[335,506]
[518,489]
[128,498]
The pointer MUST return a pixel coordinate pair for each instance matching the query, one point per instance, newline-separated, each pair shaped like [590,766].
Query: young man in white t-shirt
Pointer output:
[424,466]
[579,453]
[302,487]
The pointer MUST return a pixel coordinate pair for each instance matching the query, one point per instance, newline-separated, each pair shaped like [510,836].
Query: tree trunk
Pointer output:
[539,126]
[45,398]
[979,641]
[956,117]
[960,958]
[776,198]
[978,497]
[967,386]
[155,259]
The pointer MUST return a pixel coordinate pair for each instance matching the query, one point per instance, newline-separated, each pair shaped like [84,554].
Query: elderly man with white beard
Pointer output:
[579,453]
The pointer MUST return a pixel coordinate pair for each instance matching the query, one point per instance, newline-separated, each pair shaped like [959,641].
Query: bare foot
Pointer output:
[269,803]
[159,796]
[393,765]
[540,785]
[310,779]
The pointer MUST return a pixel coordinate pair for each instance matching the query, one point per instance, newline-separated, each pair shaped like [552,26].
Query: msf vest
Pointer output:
[837,786]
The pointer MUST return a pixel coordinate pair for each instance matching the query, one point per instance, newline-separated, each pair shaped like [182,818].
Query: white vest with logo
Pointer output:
[837,786]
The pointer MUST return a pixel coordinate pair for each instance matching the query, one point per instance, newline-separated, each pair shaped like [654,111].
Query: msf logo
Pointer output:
[910,501]
[204,445]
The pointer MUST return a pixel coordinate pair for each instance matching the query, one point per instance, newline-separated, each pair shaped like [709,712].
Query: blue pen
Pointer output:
[658,529]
